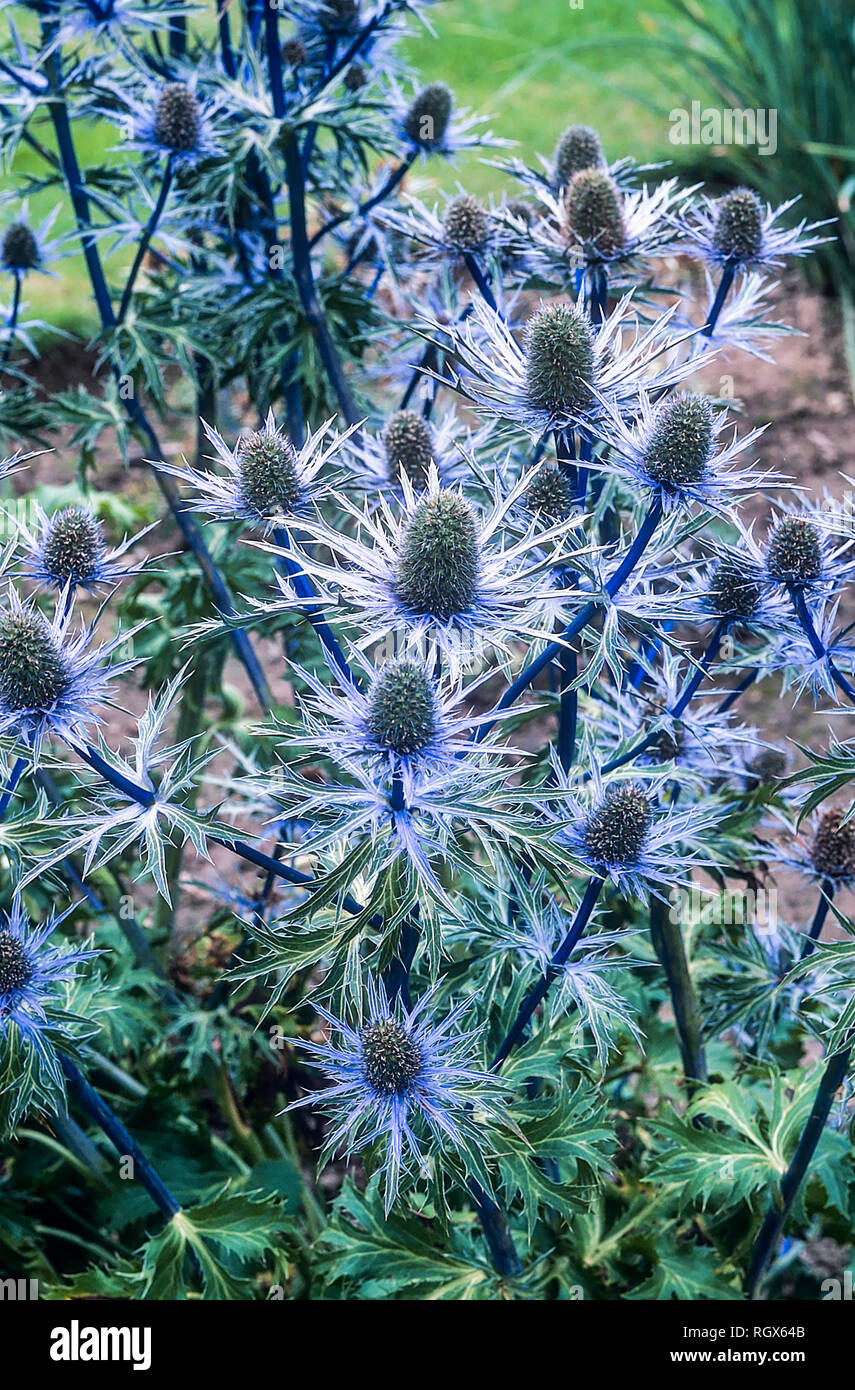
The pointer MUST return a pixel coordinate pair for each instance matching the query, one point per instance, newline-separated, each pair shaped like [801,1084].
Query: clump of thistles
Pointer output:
[559,355]
[402,708]
[177,119]
[594,210]
[437,572]
[578,148]
[738,229]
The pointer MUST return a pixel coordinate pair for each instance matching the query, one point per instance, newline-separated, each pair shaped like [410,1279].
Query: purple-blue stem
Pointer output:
[390,184]
[727,276]
[125,1146]
[189,530]
[797,597]
[302,264]
[555,649]
[563,952]
[145,240]
[313,611]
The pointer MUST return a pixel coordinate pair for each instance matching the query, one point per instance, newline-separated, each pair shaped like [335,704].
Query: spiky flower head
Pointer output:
[739,225]
[594,210]
[355,77]
[681,441]
[408,441]
[794,551]
[294,52]
[437,571]
[402,714]
[832,852]
[19,250]
[73,547]
[30,970]
[402,1079]
[15,966]
[391,1057]
[269,477]
[339,16]
[34,674]
[736,589]
[616,830]
[559,355]
[550,495]
[177,119]
[578,148]
[428,115]
[465,223]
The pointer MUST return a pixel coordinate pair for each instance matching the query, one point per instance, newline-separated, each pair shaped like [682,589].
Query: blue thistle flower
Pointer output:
[427,121]
[30,971]
[24,248]
[51,681]
[267,479]
[170,119]
[737,230]
[399,1078]
[70,550]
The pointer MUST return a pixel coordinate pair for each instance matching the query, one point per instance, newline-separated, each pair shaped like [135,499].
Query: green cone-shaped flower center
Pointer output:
[73,546]
[177,119]
[428,116]
[267,467]
[409,445]
[680,443]
[739,225]
[794,551]
[465,223]
[615,831]
[20,248]
[550,495]
[595,210]
[833,849]
[578,148]
[438,559]
[15,968]
[559,350]
[391,1059]
[736,590]
[33,673]
[402,711]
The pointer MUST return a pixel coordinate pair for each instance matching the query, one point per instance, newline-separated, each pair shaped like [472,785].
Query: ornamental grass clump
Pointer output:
[391,887]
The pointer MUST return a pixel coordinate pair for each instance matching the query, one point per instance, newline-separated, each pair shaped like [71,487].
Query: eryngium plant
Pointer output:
[424,962]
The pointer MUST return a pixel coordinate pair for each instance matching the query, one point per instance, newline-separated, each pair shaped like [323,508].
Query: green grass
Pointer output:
[533,66]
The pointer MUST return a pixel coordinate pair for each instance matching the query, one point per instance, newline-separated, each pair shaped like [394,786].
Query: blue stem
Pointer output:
[389,186]
[145,240]
[481,281]
[722,292]
[20,766]
[119,1137]
[12,323]
[313,611]
[819,648]
[536,995]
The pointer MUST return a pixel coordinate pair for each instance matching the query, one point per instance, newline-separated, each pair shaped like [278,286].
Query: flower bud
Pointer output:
[438,559]
[402,709]
[736,590]
[578,148]
[267,467]
[559,351]
[20,250]
[549,495]
[15,966]
[428,116]
[739,225]
[408,442]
